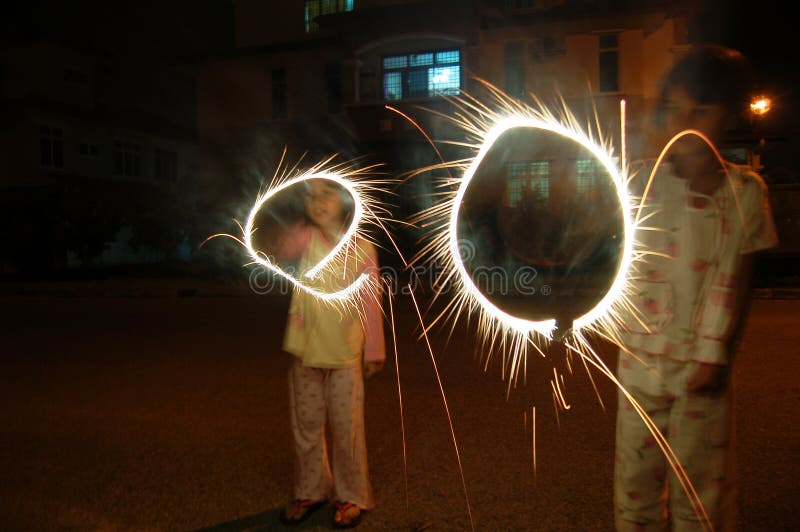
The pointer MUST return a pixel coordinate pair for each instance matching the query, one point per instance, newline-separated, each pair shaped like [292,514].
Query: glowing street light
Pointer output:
[760,105]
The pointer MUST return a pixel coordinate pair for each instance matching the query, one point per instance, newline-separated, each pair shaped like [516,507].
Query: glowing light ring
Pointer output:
[509,334]
[358,213]
[601,309]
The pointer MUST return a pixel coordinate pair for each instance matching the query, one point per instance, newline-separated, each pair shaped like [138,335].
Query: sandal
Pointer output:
[347,515]
[299,510]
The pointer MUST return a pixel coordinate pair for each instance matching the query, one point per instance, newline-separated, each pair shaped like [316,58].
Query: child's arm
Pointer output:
[374,342]
[724,316]
[290,242]
[710,376]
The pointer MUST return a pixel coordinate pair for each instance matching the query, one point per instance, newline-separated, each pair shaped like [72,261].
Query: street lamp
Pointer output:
[760,105]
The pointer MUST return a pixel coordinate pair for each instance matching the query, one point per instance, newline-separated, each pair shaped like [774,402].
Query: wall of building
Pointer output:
[259,23]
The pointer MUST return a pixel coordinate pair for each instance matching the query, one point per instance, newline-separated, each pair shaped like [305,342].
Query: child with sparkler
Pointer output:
[334,348]
[710,217]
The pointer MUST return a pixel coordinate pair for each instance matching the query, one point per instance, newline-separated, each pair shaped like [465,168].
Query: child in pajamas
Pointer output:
[711,217]
[331,344]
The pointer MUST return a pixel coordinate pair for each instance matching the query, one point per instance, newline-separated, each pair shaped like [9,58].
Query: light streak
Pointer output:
[446,407]
[511,335]
[683,479]
[362,186]
[533,438]
[500,330]
[399,394]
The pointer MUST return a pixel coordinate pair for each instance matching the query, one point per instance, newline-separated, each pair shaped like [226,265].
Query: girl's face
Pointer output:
[690,154]
[324,205]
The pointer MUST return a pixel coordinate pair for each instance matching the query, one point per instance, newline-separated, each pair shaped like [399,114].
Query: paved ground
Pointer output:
[162,406]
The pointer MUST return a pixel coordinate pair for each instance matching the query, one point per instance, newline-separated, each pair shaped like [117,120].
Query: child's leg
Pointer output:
[345,398]
[640,468]
[312,477]
[700,434]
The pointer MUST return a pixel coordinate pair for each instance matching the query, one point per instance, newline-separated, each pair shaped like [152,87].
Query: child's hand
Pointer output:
[371,368]
[708,379]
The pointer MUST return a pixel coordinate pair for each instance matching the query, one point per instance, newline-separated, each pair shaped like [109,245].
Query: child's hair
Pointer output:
[713,74]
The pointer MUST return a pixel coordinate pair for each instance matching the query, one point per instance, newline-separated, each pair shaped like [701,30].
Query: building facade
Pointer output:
[98,152]
[365,78]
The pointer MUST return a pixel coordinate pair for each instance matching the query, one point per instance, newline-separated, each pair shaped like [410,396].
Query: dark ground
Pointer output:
[129,406]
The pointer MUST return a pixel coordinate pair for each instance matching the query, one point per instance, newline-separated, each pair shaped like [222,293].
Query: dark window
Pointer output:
[51,147]
[278,93]
[166,165]
[127,158]
[88,149]
[315,8]
[333,82]
[515,69]
[609,63]
[421,74]
[76,76]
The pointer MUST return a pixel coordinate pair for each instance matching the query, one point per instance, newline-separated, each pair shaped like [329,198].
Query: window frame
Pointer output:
[309,14]
[52,145]
[408,68]
[537,181]
[608,54]
[128,150]
[514,68]
[165,165]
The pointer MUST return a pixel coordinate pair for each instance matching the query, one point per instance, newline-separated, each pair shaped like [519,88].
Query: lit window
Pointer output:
[591,176]
[528,181]
[420,75]
[51,147]
[586,175]
[420,59]
[127,158]
[392,86]
[315,8]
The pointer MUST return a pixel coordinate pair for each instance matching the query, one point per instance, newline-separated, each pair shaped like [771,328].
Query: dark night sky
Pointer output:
[167,30]
[766,33]
[763,30]
[177,30]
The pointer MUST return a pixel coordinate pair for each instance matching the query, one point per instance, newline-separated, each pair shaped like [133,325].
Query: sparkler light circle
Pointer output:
[484,122]
[260,258]
[543,327]
[511,335]
[362,185]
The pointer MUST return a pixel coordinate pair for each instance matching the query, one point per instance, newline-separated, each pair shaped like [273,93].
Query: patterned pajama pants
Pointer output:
[332,397]
[647,493]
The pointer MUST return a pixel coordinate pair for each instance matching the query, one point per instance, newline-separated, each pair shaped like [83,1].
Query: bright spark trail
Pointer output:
[361,184]
[499,330]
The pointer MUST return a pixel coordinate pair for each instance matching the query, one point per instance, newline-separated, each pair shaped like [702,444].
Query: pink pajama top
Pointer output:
[327,334]
[685,292]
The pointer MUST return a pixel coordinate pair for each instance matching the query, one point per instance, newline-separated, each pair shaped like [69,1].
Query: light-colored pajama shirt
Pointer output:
[685,305]
[326,389]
